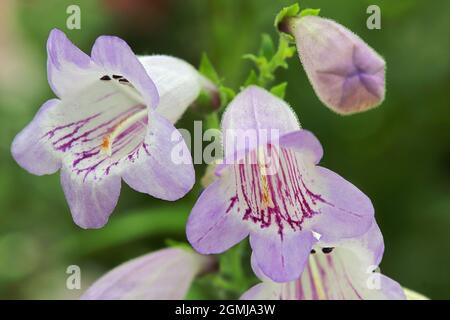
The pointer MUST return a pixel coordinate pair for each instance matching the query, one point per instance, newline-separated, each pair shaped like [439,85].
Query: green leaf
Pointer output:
[212,121]
[291,11]
[163,221]
[309,12]
[259,61]
[251,79]
[267,47]
[279,90]
[284,52]
[233,266]
[226,95]
[207,69]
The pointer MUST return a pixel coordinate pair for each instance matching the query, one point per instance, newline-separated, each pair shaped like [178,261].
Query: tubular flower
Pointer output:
[112,121]
[162,275]
[340,271]
[347,75]
[272,190]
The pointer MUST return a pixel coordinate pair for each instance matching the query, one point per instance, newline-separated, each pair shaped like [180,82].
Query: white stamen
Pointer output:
[109,139]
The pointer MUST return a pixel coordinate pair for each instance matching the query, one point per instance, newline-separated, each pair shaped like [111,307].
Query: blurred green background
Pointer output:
[398,154]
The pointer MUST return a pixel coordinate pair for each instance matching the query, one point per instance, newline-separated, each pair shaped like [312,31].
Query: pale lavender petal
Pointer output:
[178,84]
[31,150]
[91,198]
[305,142]
[369,247]
[354,260]
[163,167]
[165,274]
[345,211]
[388,290]
[347,75]
[255,117]
[116,57]
[215,223]
[68,68]
[343,275]
[281,259]
[99,131]
[257,270]
[344,271]
[263,291]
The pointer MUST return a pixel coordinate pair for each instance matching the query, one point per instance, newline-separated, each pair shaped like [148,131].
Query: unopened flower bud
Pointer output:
[347,75]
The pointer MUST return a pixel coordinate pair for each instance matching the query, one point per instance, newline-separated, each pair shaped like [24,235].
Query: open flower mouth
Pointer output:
[103,129]
[104,124]
[272,189]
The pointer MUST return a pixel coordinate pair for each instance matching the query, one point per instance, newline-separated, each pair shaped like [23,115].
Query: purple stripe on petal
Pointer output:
[272,190]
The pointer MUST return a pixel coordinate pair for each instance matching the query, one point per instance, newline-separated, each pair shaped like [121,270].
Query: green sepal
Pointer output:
[279,90]
[251,79]
[309,12]
[286,12]
[207,69]
[178,244]
[267,49]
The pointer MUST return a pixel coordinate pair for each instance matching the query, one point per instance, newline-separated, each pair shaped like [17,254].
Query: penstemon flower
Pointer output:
[111,122]
[347,75]
[340,271]
[287,207]
[163,274]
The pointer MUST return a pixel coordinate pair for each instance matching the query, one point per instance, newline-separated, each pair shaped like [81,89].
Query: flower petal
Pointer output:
[369,247]
[303,141]
[178,84]
[281,259]
[164,169]
[215,223]
[164,274]
[263,291]
[30,150]
[345,272]
[68,68]
[98,131]
[341,276]
[115,56]
[91,199]
[346,213]
[254,117]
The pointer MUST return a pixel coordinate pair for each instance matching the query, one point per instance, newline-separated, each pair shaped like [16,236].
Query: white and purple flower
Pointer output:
[345,270]
[285,211]
[347,75]
[112,121]
[165,274]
